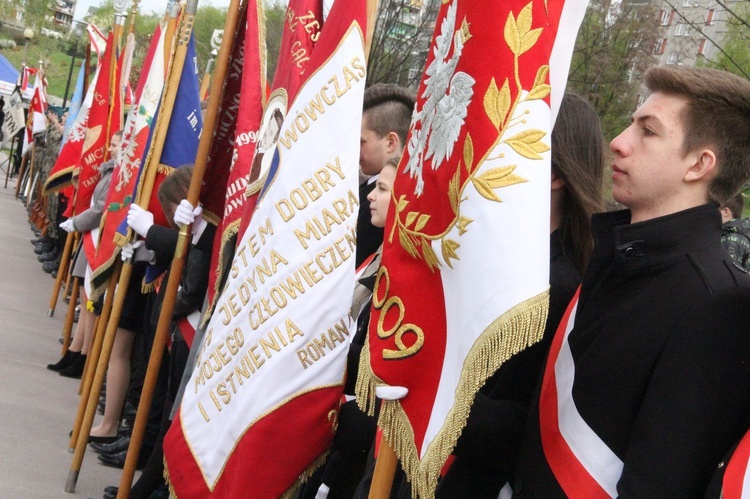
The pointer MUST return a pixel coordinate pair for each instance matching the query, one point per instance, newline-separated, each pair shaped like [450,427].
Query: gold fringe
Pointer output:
[211,217]
[120,239]
[520,327]
[364,388]
[148,287]
[165,169]
[320,461]
[165,474]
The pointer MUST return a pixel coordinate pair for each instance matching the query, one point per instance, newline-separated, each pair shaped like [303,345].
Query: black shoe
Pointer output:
[53,274]
[118,445]
[66,360]
[52,266]
[49,256]
[40,240]
[44,247]
[75,370]
[102,440]
[118,460]
[110,492]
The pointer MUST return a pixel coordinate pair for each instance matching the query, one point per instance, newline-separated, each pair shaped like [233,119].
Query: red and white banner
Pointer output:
[36,121]
[135,139]
[582,463]
[238,122]
[463,284]
[259,412]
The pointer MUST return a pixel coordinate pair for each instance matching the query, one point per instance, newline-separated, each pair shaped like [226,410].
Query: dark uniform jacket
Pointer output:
[369,237]
[660,382]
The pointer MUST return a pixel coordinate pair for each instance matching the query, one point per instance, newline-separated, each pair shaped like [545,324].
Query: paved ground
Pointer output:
[37,406]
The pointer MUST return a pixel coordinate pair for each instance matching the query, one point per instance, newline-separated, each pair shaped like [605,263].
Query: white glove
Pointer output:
[68,226]
[140,220]
[184,214]
[139,250]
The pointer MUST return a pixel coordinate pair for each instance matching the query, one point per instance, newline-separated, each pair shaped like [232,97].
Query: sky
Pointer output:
[158,6]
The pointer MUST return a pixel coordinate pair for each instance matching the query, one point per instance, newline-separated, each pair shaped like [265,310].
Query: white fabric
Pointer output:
[328,147]
[593,454]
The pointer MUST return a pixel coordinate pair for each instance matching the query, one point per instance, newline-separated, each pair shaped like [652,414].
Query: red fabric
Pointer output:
[734,476]
[269,457]
[304,20]
[419,287]
[94,149]
[223,195]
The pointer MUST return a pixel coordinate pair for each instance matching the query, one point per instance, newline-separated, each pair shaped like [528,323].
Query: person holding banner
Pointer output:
[485,454]
[72,363]
[386,116]
[644,390]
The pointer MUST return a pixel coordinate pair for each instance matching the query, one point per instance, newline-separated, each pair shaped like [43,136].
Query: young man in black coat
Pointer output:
[644,390]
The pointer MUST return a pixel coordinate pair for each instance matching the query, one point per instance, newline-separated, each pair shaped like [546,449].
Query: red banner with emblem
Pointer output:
[465,267]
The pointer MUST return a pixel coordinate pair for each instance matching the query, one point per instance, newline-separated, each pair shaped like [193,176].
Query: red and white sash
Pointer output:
[736,483]
[582,463]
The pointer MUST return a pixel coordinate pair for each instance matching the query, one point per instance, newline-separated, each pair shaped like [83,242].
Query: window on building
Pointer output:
[682,29]
[688,3]
[710,17]
[672,59]
[666,17]
[660,45]
[702,47]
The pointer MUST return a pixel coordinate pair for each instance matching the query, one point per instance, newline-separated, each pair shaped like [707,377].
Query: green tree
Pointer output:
[614,46]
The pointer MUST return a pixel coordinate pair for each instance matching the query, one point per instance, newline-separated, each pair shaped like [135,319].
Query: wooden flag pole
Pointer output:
[92,359]
[101,370]
[174,13]
[178,262]
[70,316]
[22,169]
[206,81]
[385,469]
[61,274]
[134,14]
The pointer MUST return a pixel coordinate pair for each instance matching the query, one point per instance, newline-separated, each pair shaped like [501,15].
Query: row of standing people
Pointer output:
[642,386]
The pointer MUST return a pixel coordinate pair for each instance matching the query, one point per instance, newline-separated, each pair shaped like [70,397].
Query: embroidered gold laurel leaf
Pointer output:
[465,33]
[541,75]
[429,256]
[528,136]
[449,251]
[402,202]
[407,244]
[422,221]
[490,104]
[539,92]
[528,143]
[497,103]
[529,39]
[463,224]
[484,189]
[501,177]
[469,153]
[510,32]
[524,20]
[454,190]
[525,150]
[411,217]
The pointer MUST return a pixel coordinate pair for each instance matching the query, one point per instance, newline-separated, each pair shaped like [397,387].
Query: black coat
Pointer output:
[663,384]
[369,237]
